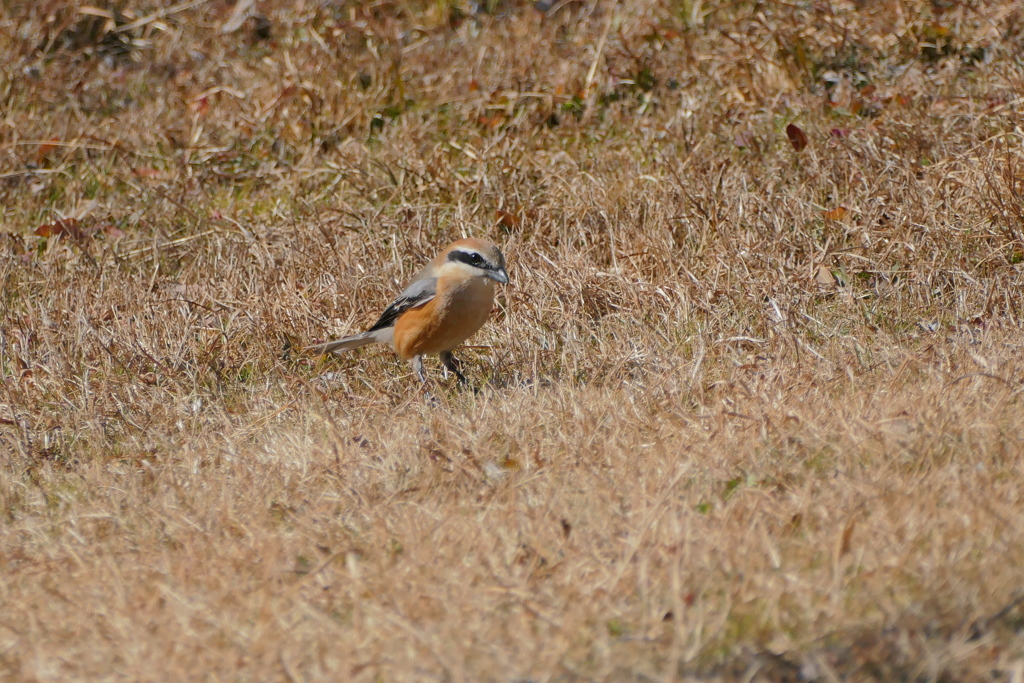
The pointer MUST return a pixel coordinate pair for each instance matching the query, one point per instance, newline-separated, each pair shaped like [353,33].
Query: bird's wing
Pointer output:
[416,294]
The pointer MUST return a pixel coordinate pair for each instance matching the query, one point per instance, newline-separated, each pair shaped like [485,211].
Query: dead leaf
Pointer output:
[61,226]
[844,542]
[77,229]
[491,121]
[797,137]
[507,220]
[45,148]
[111,231]
[744,138]
[836,214]
[200,105]
[145,172]
[824,276]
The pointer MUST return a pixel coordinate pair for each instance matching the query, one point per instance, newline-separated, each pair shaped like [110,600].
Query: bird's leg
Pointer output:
[453,364]
[417,366]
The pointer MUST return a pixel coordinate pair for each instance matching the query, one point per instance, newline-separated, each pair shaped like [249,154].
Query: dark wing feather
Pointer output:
[416,294]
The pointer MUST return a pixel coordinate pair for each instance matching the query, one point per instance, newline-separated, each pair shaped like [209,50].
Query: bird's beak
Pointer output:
[498,275]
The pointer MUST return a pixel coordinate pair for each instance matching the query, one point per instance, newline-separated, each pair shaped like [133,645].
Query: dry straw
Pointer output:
[750,410]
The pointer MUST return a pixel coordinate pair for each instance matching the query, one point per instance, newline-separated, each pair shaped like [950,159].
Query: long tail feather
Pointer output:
[346,344]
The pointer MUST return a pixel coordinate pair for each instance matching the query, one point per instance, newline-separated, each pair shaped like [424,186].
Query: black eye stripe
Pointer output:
[469,258]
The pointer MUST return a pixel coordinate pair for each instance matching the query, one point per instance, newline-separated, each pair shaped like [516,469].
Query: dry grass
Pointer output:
[746,413]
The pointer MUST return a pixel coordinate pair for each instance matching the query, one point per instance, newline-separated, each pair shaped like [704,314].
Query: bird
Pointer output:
[447,301]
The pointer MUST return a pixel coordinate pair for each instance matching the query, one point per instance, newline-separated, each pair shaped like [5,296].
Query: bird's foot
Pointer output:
[454,366]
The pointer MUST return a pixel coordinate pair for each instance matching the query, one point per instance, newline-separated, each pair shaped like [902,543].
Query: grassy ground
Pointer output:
[749,411]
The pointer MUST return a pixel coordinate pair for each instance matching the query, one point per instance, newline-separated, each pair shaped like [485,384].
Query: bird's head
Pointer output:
[481,257]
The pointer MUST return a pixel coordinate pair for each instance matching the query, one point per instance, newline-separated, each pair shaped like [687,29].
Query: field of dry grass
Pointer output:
[750,410]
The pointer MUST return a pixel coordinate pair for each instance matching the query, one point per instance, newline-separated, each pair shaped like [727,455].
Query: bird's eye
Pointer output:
[475,258]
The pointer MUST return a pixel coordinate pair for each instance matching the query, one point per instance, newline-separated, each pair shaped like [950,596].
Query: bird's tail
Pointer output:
[346,344]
